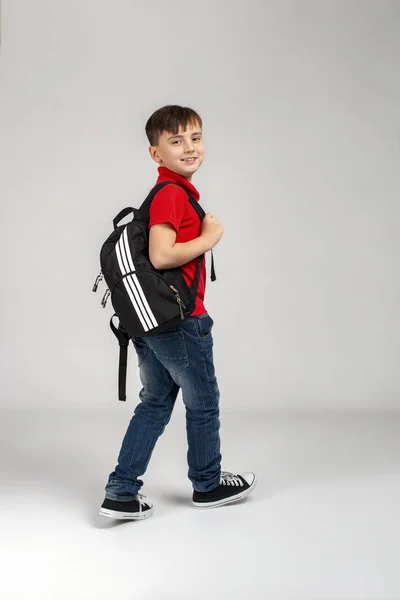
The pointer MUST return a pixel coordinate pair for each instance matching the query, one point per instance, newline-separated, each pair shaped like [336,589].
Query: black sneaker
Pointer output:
[138,508]
[231,489]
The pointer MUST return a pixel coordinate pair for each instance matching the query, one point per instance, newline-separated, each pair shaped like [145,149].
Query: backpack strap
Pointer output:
[202,214]
[145,213]
[123,340]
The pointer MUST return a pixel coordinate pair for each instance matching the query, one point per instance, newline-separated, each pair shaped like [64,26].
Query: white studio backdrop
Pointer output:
[300,102]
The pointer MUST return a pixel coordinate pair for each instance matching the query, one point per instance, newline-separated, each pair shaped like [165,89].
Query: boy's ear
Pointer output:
[154,154]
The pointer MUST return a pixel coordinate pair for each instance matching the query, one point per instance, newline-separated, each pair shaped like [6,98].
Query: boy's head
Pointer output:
[176,139]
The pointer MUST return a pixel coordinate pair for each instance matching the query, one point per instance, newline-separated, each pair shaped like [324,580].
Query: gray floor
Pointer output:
[323,522]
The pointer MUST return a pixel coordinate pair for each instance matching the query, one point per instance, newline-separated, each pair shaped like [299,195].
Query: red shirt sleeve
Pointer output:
[169,205]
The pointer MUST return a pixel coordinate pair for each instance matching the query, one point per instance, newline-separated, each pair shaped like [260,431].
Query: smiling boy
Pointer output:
[181,358]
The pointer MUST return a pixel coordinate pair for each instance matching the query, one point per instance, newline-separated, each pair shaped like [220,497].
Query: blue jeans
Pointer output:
[180,358]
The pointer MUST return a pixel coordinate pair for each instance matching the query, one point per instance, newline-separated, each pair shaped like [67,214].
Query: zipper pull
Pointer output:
[96,283]
[179,301]
[105,298]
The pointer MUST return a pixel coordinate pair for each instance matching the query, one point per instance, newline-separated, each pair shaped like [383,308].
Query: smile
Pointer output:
[189,160]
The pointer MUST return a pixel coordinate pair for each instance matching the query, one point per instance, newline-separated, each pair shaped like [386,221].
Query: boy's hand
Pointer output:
[211,230]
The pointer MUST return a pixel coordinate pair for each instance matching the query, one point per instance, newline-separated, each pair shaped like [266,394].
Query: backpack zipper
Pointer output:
[96,283]
[178,299]
[105,298]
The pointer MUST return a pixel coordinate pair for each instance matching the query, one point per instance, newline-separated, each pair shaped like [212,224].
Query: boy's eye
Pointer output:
[177,141]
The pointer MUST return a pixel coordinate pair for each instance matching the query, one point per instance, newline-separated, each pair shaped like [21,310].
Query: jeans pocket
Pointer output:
[205,326]
[141,349]
[170,349]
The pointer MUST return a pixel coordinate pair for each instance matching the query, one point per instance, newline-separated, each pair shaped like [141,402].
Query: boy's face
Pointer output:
[182,153]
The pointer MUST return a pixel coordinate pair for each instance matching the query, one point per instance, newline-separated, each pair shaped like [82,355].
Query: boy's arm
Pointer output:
[164,253]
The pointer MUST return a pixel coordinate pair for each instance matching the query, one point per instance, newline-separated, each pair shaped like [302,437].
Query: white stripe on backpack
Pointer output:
[132,285]
[135,279]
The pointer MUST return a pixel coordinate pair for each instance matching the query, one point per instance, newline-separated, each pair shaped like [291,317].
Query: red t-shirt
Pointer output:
[171,205]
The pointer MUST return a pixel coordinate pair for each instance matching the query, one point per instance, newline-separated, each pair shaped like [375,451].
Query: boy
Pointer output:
[181,358]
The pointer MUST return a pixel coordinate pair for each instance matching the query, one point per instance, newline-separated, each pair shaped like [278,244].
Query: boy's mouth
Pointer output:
[189,160]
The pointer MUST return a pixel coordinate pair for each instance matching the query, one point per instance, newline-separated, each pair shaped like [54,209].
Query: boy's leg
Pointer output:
[152,414]
[187,353]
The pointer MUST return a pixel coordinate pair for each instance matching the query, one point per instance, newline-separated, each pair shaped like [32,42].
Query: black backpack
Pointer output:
[147,301]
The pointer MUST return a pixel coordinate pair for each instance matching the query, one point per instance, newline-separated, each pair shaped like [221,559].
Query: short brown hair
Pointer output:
[170,118]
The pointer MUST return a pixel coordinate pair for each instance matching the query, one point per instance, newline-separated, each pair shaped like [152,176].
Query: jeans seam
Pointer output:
[209,395]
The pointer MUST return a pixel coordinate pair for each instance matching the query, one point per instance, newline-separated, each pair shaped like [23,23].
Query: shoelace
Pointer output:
[230,479]
[141,499]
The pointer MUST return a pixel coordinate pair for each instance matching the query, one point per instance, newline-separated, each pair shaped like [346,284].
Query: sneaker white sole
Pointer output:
[229,500]
[122,516]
